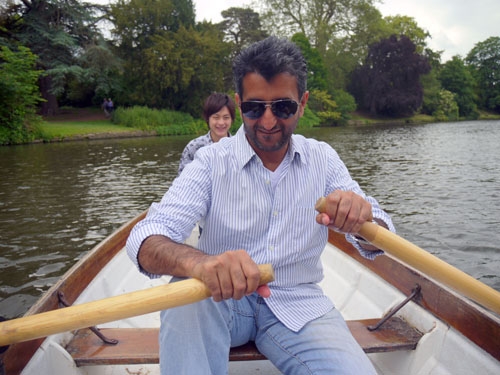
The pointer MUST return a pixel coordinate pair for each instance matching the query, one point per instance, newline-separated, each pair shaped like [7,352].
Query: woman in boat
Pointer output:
[255,194]
[218,113]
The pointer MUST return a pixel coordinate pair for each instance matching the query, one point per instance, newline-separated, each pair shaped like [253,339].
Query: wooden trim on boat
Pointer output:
[479,325]
[140,345]
[74,281]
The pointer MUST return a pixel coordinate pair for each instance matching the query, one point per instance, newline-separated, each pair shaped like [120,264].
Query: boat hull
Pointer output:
[361,289]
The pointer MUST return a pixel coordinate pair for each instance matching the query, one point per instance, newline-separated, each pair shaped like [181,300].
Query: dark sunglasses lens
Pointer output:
[281,108]
[284,108]
[253,110]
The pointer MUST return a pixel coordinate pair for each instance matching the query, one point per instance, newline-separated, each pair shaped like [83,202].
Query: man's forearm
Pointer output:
[161,256]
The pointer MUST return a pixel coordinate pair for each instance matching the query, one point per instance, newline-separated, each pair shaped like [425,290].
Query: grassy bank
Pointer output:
[90,123]
[85,123]
[65,129]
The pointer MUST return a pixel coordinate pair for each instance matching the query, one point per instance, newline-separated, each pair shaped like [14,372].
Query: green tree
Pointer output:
[455,77]
[430,82]
[389,81]
[58,32]
[99,78]
[407,26]
[19,96]
[180,69]
[484,60]
[157,62]
[316,70]
[346,104]
[432,88]
[322,21]
[241,27]
[135,22]
[348,51]
[325,107]
[447,107]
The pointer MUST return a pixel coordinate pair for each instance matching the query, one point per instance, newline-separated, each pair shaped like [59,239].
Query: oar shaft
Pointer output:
[427,263]
[110,309]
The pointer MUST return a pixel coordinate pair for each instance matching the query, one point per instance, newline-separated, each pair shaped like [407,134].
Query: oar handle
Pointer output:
[426,263]
[110,309]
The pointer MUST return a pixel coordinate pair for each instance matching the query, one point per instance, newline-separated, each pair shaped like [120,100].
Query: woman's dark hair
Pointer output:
[215,102]
[268,58]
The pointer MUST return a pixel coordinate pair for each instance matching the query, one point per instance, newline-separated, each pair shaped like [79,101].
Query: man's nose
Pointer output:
[268,119]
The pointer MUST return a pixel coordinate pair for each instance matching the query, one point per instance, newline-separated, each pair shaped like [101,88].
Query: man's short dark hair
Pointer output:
[268,58]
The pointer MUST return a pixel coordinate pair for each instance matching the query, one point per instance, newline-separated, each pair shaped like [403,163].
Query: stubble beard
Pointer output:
[286,134]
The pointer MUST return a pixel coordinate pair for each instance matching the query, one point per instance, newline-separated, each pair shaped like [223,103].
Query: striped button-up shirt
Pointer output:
[242,205]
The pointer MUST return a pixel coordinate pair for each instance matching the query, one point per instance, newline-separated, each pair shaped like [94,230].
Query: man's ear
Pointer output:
[237,101]
[303,102]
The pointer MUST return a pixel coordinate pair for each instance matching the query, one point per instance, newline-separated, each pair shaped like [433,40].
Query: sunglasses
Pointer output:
[283,108]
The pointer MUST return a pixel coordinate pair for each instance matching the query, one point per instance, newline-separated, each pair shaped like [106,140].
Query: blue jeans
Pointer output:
[195,340]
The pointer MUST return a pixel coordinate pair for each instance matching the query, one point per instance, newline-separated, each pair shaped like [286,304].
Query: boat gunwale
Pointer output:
[479,325]
[71,284]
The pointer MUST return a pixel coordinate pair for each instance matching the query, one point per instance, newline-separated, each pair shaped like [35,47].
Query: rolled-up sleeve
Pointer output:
[177,213]
[142,230]
[379,214]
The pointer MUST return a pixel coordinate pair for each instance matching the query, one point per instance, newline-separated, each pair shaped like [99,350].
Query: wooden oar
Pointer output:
[427,263]
[111,309]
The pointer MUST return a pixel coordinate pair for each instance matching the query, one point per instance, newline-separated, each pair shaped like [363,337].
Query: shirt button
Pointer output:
[271,248]
[275,213]
[268,182]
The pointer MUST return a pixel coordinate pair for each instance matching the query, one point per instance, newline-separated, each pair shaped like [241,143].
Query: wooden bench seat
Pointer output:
[140,345]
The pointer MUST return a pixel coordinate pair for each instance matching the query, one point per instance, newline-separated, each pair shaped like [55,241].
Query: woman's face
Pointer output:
[219,124]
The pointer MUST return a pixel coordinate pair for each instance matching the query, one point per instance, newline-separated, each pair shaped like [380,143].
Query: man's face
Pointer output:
[269,132]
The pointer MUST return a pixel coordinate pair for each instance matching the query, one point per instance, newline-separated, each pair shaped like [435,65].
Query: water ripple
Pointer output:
[438,181]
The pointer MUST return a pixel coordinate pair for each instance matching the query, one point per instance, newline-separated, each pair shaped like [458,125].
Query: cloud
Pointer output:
[455,25]
[211,10]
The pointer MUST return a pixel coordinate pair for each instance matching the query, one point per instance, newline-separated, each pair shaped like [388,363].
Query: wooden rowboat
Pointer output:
[438,331]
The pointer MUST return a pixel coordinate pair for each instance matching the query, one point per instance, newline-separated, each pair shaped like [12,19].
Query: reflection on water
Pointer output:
[440,182]
[59,200]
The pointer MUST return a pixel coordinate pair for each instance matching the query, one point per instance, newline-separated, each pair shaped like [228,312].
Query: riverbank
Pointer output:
[74,124]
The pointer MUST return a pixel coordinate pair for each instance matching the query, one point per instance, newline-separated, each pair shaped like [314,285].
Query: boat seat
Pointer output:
[140,345]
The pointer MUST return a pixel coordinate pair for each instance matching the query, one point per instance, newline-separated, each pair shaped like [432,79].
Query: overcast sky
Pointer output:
[455,25]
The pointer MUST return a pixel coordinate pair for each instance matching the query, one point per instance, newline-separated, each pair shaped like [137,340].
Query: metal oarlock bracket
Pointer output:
[95,330]
[414,293]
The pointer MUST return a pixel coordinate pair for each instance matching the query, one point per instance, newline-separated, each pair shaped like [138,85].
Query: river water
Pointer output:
[440,182]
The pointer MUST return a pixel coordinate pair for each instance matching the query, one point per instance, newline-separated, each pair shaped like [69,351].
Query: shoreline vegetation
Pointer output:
[73,124]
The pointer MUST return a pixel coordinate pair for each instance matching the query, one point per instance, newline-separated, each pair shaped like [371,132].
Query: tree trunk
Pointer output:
[50,107]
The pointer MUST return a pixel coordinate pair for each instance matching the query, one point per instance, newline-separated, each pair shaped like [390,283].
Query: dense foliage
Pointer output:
[388,83]
[484,61]
[455,77]
[59,33]
[153,54]
[19,96]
